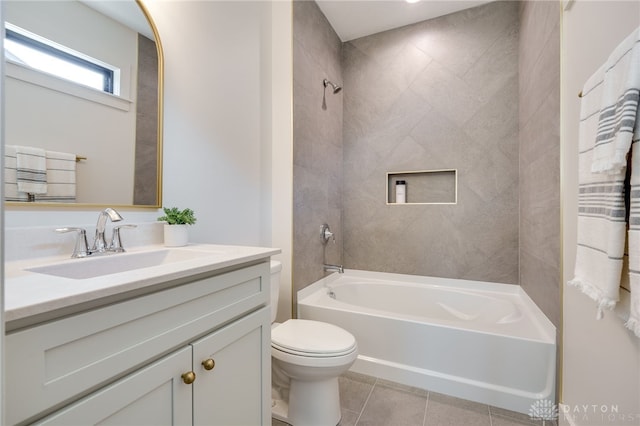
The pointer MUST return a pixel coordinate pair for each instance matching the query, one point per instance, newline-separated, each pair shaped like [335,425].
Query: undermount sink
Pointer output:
[112,264]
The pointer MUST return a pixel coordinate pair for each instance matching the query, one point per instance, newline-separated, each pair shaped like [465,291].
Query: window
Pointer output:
[36,52]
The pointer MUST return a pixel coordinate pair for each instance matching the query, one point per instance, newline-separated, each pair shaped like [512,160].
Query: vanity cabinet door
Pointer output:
[233,368]
[154,395]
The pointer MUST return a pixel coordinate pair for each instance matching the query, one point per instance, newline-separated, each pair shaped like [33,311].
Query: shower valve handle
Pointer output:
[329,234]
[326,234]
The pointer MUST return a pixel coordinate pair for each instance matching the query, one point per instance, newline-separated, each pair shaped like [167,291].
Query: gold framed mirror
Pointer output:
[114,138]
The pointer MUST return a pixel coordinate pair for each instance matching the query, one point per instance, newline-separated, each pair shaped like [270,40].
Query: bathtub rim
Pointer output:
[546,327]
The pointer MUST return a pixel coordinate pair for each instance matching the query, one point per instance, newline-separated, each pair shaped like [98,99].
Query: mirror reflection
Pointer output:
[67,142]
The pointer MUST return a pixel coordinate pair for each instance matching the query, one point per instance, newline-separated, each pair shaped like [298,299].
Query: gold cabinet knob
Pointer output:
[208,364]
[189,377]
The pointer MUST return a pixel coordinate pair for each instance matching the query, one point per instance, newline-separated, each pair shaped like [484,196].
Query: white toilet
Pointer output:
[307,358]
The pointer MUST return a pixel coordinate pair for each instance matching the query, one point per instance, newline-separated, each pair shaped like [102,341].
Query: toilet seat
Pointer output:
[307,338]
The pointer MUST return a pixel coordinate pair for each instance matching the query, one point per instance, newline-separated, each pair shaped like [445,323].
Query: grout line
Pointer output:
[426,409]
[365,402]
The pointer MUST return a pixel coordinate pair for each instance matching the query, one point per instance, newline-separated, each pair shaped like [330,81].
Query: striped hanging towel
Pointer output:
[11,192]
[601,211]
[31,170]
[61,178]
[619,106]
[633,322]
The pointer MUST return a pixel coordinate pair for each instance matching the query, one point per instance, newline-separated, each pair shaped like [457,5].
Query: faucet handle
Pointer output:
[81,248]
[116,242]
[326,234]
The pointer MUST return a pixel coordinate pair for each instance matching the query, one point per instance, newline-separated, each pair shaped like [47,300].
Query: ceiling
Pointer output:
[127,13]
[353,19]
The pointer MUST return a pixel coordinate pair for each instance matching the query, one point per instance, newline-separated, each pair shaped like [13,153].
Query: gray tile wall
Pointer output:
[540,154]
[439,94]
[317,143]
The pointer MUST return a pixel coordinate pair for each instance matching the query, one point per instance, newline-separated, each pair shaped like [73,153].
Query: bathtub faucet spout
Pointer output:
[336,268]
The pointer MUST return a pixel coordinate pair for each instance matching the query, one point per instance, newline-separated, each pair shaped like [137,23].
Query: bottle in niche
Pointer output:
[401,192]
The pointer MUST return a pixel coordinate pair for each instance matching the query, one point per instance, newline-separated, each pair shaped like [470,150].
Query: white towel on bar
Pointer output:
[61,178]
[619,106]
[601,211]
[31,170]
[11,192]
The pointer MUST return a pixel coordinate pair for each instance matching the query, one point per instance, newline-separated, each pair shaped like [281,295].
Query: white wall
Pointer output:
[601,359]
[282,146]
[212,129]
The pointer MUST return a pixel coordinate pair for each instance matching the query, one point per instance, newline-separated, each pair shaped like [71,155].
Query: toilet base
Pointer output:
[312,403]
[279,410]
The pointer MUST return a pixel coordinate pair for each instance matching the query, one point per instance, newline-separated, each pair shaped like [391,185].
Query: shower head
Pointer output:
[335,87]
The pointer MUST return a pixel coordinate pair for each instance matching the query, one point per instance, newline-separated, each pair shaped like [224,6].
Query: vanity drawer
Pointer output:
[51,364]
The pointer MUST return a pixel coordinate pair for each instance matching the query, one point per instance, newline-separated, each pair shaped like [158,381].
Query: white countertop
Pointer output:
[30,294]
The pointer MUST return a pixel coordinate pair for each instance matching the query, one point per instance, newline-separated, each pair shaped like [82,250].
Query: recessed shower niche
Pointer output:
[424,186]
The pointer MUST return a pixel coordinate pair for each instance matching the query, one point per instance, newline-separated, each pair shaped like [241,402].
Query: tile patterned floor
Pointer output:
[367,401]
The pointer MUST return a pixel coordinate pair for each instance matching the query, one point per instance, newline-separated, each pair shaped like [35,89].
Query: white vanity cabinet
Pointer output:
[125,363]
[155,395]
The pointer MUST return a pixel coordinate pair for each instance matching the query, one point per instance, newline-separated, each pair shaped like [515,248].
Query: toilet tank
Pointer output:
[276,267]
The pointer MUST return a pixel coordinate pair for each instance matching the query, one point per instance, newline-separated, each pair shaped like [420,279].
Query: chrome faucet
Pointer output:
[336,268]
[99,246]
[99,241]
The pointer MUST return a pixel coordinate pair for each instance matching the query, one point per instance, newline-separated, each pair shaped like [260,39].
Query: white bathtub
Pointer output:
[480,341]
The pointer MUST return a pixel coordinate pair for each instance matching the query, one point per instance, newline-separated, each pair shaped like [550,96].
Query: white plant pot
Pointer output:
[176,235]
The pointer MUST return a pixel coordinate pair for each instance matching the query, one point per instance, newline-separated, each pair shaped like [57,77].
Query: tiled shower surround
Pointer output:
[317,143]
[540,155]
[440,94]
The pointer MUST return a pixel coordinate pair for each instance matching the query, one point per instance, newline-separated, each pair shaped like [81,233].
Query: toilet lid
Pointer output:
[312,338]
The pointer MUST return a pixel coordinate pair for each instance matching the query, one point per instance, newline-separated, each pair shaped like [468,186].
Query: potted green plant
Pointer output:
[176,227]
